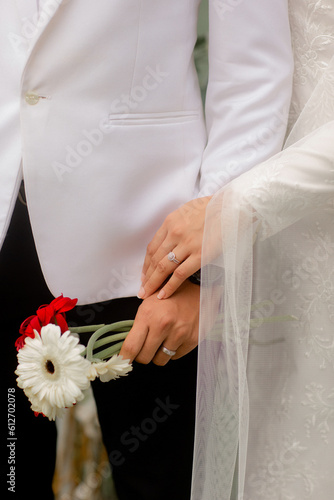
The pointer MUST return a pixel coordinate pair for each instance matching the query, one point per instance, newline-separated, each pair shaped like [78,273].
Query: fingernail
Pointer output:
[141,293]
[161,294]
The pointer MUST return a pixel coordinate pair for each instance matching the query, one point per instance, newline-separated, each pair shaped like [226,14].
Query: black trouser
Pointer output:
[147,418]
[22,290]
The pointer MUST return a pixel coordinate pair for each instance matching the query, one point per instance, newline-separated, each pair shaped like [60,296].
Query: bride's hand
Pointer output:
[180,236]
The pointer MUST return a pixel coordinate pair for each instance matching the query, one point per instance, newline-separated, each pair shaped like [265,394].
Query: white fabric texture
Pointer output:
[265,407]
[102,107]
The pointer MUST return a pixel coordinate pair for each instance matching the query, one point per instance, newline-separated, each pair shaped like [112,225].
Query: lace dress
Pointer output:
[265,409]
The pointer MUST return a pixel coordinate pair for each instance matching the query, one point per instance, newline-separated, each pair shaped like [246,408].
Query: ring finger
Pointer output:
[164,268]
[164,354]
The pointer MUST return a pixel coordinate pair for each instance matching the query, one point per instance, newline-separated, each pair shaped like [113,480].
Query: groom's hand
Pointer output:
[172,323]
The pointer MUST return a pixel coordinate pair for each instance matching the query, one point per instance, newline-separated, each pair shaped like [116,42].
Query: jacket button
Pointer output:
[32,99]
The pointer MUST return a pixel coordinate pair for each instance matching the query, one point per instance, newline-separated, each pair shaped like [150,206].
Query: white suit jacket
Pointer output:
[101,113]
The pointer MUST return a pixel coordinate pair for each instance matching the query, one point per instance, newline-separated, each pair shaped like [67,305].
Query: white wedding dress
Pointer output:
[265,408]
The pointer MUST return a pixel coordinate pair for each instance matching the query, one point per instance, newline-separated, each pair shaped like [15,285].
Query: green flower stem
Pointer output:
[85,329]
[107,353]
[215,333]
[105,329]
[111,338]
[270,319]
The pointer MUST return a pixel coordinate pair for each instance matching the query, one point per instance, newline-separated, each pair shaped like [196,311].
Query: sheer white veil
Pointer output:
[256,359]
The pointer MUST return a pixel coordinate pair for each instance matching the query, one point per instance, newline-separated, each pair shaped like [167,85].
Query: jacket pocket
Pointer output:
[172,117]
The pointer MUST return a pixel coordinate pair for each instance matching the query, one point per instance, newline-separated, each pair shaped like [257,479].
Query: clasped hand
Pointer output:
[172,323]
[182,233]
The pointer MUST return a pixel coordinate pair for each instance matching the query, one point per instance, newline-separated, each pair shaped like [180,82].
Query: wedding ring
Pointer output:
[172,258]
[168,351]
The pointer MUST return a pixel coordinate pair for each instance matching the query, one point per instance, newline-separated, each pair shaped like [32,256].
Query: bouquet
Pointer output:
[54,368]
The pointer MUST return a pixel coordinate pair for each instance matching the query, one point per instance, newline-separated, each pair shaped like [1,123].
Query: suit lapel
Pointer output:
[26,9]
[35,17]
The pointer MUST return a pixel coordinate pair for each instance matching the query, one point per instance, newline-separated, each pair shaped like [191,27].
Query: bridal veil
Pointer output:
[265,406]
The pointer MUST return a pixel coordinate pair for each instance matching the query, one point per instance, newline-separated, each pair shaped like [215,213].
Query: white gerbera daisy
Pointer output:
[43,406]
[112,369]
[51,371]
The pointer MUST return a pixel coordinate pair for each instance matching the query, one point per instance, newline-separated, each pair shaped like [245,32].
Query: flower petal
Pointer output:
[112,369]
[50,391]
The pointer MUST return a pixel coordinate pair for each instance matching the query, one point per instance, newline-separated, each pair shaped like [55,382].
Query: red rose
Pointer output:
[50,313]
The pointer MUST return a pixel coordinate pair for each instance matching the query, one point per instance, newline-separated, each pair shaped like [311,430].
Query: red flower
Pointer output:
[50,313]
